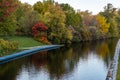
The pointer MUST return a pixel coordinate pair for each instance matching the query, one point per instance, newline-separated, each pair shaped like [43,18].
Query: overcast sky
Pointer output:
[92,5]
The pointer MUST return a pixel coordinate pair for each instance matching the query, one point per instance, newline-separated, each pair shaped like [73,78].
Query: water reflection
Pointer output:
[84,61]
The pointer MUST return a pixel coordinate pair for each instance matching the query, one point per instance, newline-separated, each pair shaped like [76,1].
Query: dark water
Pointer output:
[83,61]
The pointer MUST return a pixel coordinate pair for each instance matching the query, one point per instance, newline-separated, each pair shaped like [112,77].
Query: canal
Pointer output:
[83,61]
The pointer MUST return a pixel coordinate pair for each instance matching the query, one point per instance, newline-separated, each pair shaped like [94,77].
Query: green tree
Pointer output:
[27,22]
[39,7]
[109,13]
[118,20]
[26,17]
[23,9]
[8,27]
[67,36]
[72,18]
[55,20]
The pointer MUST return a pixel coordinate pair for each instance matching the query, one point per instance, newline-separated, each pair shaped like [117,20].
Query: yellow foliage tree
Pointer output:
[102,24]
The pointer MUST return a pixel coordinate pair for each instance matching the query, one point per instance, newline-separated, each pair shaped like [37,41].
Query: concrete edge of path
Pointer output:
[112,71]
[28,52]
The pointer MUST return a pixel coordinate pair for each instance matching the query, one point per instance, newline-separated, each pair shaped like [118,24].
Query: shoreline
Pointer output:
[113,68]
[23,53]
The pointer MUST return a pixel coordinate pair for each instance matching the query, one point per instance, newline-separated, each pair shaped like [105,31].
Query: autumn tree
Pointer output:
[102,24]
[86,18]
[109,13]
[39,32]
[7,7]
[54,17]
[7,17]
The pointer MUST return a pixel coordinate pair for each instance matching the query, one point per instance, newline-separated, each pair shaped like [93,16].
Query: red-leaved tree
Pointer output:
[39,32]
[6,8]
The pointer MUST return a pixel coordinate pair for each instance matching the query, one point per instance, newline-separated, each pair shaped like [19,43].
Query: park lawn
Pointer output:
[25,41]
[118,72]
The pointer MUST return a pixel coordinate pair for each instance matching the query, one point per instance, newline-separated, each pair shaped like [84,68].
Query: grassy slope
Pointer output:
[118,74]
[25,41]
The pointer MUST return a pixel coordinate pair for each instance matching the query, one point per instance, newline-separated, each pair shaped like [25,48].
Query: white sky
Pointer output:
[92,5]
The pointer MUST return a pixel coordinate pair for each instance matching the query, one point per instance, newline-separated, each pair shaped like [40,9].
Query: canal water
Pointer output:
[81,61]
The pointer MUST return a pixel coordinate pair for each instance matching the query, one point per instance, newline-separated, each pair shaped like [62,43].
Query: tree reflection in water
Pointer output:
[61,64]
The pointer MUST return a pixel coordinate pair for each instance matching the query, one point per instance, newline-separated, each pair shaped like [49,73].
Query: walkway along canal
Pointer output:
[28,52]
[114,64]
[84,61]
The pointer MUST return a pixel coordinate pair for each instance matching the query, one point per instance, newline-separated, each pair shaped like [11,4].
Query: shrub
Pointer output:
[37,28]
[39,32]
[6,46]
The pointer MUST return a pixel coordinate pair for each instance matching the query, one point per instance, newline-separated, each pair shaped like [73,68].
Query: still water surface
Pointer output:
[83,61]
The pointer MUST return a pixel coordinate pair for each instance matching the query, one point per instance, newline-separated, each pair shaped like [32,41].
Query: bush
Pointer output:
[39,32]
[6,46]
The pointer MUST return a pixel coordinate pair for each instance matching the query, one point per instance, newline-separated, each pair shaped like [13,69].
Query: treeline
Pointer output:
[65,25]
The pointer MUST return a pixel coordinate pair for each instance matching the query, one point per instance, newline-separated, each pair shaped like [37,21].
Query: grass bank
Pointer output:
[24,41]
[118,72]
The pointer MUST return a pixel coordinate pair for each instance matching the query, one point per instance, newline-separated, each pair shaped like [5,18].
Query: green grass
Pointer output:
[25,41]
[118,74]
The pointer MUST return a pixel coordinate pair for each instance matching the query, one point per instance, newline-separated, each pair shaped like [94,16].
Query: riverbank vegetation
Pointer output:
[11,44]
[118,72]
[7,47]
[51,22]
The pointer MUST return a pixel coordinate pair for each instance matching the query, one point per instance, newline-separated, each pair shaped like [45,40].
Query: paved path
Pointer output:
[111,75]
[30,51]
